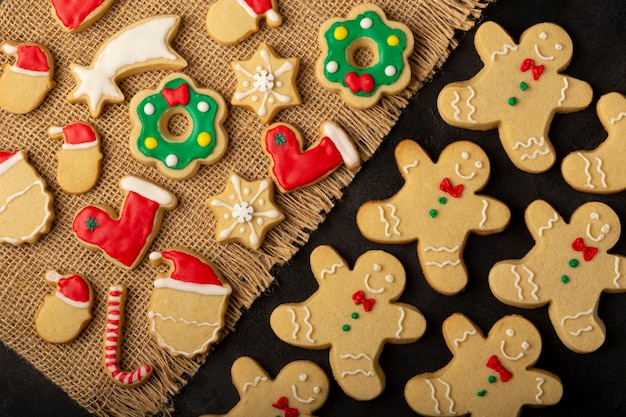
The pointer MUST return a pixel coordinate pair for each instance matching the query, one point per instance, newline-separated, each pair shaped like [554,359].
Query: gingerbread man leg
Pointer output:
[443,266]
[581,330]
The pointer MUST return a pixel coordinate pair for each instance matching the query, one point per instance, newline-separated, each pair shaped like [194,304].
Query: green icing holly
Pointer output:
[280,140]
[91,223]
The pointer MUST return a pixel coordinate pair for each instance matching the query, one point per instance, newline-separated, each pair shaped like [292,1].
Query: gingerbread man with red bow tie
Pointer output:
[518,91]
[569,268]
[486,373]
[354,313]
[438,206]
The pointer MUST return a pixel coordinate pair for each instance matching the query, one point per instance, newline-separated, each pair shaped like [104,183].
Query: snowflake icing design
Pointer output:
[245,211]
[263,89]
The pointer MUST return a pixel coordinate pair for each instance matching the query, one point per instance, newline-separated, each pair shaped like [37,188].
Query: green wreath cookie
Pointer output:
[152,142]
[389,42]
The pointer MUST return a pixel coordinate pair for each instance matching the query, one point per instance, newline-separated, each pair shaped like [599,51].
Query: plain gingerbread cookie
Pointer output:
[299,389]
[518,91]
[569,267]
[354,313]
[486,374]
[602,170]
[438,206]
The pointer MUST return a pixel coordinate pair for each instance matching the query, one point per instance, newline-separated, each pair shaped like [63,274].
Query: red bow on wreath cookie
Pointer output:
[283,404]
[588,251]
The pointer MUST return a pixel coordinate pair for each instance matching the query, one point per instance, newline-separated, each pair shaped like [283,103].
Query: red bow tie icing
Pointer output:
[448,188]
[588,251]
[529,64]
[178,95]
[494,363]
[358,83]
[283,404]
[359,298]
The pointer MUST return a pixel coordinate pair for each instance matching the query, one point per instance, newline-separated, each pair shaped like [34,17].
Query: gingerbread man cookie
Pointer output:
[354,313]
[518,91]
[230,22]
[437,206]
[486,374]
[602,171]
[299,389]
[569,268]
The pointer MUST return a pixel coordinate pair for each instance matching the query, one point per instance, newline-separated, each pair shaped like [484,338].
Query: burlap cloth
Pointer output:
[77,367]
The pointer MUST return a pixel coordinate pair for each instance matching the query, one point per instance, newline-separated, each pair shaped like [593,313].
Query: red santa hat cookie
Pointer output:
[76,15]
[230,22]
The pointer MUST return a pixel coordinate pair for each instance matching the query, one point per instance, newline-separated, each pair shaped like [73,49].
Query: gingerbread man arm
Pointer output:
[460,332]
[411,159]
[494,216]
[491,40]
[575,94]
[548,389]
[247,374]
[325,262]
[409,327]
[542,219]
[292,324]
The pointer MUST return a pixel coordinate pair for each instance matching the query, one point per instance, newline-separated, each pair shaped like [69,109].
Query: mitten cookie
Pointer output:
[64,314]
[188,302]
[518,91]
[153,143]
[230,22]
[293,168]
[366,27]
[437,206]
[299,389]
[602,170]
[77,15]
[125,239]
[266,83]
[25,84]
[245,211]
[486,374]
[26,205]
[569,267]
[143,46]
[354,313]
[79,158]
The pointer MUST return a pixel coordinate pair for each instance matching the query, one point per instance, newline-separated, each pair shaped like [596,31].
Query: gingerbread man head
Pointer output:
[550,44]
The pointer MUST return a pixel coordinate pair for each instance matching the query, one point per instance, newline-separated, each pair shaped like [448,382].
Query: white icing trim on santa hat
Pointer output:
[10,162]
[75,304]
[55,130]
[343,143]
[86,145]
[147,189]
[204,289]
[31,73]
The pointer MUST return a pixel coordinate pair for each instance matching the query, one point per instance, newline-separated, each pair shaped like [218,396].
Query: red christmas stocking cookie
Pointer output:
[230,22]
[294,168]
[125,239]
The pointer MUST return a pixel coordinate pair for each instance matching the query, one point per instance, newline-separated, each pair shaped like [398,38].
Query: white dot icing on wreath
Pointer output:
[149,109]
[366,23]
[332,67]
[171,160]
[203,107]
[390,71]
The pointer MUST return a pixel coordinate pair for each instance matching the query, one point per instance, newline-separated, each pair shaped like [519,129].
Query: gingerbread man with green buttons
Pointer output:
[569,267]
[439,206]
[354,313]
[518,91]
[486,373]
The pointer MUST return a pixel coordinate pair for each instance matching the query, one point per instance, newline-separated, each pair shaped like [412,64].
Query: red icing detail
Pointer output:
[494,363]
[124,238]
[588,251]
[448,188]
[259,6]
[5,156]
[77,133]
[178,95]
[188,268]
[32,58]
[283,404]
[529,64]
[293,168]
[358,83]
[359,298]
[72,13]
[75,288]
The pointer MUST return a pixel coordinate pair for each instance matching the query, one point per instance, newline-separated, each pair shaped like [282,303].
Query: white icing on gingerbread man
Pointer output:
[518,91]
[299,389]
[569,267]
[485,374]
[602,171]
[354,313]
[439,207]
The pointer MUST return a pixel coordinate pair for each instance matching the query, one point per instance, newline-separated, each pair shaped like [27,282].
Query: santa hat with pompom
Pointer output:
[31,59]
[78,135]
[9,159]
[189,273]
[72,289]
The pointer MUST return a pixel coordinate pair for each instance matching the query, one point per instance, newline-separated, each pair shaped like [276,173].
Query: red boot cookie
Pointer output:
[294,168]
[125,239]
[230,22]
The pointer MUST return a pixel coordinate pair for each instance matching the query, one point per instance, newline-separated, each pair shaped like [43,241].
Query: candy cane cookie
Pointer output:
[113,341]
